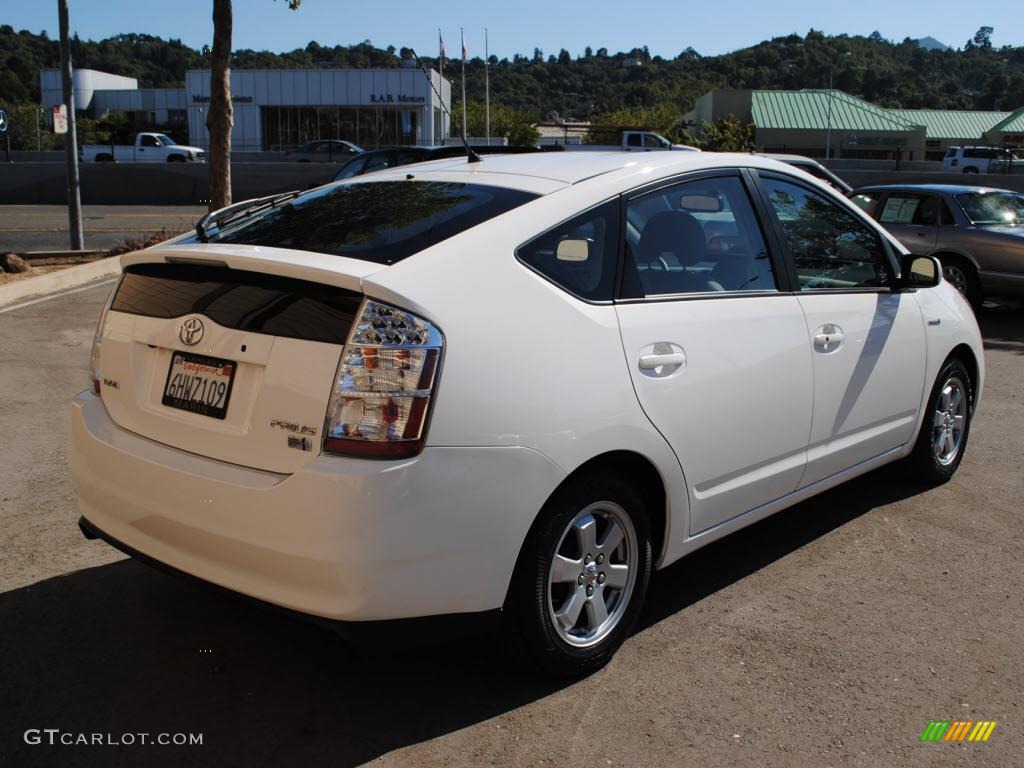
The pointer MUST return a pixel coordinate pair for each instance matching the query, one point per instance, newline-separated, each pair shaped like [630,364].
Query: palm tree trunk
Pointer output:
[220,117]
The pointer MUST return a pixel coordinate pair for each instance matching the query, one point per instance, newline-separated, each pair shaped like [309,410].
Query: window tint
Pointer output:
[150,141]
[866,200]
[904,208]
[695,237]
[830,247]
[586,265]
[633,140]
[384,221]
[351,168]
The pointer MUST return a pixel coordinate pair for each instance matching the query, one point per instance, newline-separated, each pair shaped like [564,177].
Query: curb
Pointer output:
[60,280]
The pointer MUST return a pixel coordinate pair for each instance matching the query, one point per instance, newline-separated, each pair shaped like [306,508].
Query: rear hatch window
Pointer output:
[382,222]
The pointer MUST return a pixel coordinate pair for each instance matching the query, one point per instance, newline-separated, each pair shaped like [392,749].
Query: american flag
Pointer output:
[463,47]
[441,41]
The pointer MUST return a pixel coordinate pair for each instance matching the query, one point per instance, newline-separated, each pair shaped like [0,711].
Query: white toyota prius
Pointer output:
[505,391]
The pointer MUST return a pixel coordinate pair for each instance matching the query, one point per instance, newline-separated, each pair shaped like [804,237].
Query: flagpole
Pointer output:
[440,60]
[462,33]
[487,89]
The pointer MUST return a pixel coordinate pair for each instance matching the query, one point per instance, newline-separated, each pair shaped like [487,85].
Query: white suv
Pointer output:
[510,389]
[982,160]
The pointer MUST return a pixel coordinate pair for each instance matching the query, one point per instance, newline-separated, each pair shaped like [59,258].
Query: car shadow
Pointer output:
[1002,326]
[123,648]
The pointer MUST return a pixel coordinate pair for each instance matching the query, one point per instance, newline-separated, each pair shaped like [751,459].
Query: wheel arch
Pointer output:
[646,479]
[965,355]
[940,252]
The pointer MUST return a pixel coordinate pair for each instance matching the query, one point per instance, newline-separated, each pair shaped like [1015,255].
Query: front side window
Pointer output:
[696,237]
[383,222]
[830,247]
[581,254]
[654,142]
[351,168]
[150,141]
[910,208]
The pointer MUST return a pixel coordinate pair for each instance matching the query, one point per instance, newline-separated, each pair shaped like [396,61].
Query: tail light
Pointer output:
[385,382]
[97,343]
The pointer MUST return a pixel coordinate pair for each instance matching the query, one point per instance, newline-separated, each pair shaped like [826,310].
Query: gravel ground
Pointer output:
[827,635]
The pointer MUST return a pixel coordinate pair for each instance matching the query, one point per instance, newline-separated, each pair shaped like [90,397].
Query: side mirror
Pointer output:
[570,249]
[920,271]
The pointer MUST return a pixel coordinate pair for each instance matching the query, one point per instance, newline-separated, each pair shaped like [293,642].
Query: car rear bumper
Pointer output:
[343,539]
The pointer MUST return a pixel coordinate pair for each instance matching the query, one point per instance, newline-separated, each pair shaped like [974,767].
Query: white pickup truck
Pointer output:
[633,141]
[148,148]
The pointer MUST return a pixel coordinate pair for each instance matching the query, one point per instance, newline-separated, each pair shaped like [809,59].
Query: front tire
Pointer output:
[582,577]
[942,441]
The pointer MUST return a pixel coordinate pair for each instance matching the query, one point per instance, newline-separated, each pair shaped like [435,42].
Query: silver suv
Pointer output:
[982,160]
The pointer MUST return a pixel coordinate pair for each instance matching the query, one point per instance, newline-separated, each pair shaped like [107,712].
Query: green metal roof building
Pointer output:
[812,121]
[1008,132]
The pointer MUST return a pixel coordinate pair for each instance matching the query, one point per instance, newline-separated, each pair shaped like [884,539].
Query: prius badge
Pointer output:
[191,332]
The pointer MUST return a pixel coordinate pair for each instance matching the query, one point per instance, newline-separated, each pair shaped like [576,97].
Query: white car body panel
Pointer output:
[868,391]
[534,383]
[750,352]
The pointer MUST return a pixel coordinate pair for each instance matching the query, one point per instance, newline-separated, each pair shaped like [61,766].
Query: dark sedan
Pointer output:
[976,232]
[323,151]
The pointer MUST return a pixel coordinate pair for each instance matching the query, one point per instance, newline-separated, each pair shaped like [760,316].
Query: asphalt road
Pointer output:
[828,635]
[45,227]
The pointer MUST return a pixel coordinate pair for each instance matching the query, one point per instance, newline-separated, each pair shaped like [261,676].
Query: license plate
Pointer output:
[199,384]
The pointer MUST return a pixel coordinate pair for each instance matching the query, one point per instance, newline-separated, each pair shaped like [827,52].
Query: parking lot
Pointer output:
[827,635]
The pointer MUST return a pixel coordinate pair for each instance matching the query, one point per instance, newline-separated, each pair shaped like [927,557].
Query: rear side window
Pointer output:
[695,237]
[383,222]
[580,255]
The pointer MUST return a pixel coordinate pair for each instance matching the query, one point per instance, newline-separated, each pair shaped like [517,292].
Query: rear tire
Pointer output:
[946,425]
[960,273]
[581,578]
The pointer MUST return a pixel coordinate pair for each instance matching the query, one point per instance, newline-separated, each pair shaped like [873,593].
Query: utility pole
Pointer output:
[462,33]
[487,89]
[71,139]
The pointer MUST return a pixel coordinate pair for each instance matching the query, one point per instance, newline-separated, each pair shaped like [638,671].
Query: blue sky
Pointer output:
[665,27]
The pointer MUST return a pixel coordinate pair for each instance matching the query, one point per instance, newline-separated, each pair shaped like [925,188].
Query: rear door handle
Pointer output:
[651,362]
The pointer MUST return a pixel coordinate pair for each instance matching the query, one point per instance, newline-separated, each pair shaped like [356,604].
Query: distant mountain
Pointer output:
[931,44]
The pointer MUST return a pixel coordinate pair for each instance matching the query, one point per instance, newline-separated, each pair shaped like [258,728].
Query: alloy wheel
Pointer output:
[949,420]
[592,574]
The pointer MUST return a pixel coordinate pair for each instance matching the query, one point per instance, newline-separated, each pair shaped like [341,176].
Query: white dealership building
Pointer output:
[277,109]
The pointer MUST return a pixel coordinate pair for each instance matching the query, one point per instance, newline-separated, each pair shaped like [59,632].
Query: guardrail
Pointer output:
[152,183]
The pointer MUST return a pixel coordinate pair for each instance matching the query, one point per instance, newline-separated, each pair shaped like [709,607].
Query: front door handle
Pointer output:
[828,338]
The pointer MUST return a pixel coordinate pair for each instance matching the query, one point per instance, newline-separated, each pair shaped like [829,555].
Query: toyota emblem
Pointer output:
[191,332]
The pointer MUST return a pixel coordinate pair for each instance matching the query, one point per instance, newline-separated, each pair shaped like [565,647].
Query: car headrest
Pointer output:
[675,232]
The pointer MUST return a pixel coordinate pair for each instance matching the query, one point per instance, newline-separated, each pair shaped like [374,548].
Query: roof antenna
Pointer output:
[470,152]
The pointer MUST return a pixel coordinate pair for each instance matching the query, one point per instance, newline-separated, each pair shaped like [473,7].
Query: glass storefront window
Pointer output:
[289,127]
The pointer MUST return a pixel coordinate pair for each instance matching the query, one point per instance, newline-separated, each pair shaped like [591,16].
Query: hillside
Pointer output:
[597,83]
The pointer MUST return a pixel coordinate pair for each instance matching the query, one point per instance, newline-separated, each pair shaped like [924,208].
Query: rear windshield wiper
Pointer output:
[239,211]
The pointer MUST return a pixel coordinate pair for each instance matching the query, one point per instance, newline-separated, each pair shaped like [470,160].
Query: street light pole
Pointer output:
[71,139]
[828,119]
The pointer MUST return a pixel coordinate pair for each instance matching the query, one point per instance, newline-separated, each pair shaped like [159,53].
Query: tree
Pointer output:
[982,39]
[727,134]
[220,116]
